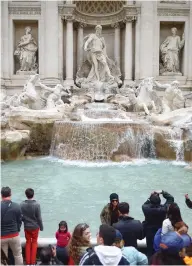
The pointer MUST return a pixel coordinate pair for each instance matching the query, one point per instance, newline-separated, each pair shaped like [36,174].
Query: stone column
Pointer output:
[80,44]
[51,55]
[147,36]
[117,43]
[69,50]
[189,78]
[128,49]
[5,71]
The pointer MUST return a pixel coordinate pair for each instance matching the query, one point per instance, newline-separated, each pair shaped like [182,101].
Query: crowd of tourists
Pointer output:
[166,233]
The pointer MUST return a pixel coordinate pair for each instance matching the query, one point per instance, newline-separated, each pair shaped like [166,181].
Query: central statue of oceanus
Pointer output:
[98,73]
[96,54]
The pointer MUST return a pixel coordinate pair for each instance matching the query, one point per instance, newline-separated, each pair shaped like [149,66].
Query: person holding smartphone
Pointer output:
[155,214]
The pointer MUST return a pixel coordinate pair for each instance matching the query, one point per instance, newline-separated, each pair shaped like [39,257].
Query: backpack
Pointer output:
[157,240]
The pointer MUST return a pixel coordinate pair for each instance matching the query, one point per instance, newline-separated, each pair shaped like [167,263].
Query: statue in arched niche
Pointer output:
[169,50]
[26,52]
[98,70]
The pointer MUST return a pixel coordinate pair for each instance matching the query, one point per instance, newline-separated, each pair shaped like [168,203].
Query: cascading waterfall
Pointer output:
[100,140]
[176,141]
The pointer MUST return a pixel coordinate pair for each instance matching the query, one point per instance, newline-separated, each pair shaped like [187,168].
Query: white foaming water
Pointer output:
[177,143]
[101,164]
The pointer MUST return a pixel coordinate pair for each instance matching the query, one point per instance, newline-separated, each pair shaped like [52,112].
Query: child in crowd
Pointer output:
[63,237]
[133,256]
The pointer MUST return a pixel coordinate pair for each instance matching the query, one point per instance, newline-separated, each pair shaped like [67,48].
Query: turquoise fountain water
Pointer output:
[77,191]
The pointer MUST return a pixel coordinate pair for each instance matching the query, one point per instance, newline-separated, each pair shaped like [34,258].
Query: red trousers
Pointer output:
[31,245]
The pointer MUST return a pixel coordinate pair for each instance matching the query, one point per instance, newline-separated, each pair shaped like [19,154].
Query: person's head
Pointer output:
[29,192]
[181,227]
[114,199]
[175,84]
[28,30]
[174,31]
[118,239]
[155,199]
[5,193]
[80,238]
[174,213]
[106,235]
[63,227]
[123,208]
[174,244]
[98,30]
[45,255]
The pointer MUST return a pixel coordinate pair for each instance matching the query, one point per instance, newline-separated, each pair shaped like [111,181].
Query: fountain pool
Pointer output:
[77,191]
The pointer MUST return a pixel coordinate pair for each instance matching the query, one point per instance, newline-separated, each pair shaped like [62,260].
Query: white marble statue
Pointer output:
[26,52]
[173,98]
[122,98]
[144,101]
[96,54]
[169,50]
[53,98]
[28,96]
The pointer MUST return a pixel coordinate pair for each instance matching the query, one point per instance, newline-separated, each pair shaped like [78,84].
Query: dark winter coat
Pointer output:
[130,229]
[156,214]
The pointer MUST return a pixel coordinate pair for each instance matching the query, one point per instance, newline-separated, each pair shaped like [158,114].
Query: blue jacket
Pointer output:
[157,240]
[134,257]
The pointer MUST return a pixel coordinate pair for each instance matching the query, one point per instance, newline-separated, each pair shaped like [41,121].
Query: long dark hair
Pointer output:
[166,258]
[174,214]
[63,223]
[77,241]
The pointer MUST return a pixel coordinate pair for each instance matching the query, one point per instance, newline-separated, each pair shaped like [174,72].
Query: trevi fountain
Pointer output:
[96,97]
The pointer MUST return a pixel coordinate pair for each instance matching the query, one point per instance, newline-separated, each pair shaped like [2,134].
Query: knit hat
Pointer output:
[172,242]
[155,199]
[114,196]
[119,236]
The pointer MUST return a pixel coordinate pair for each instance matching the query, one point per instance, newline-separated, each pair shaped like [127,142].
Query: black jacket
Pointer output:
[130,229]
[189,203]
[11,218]
[156,214]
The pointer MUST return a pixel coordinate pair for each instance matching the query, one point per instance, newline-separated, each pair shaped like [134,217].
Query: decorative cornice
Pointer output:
[115,25]
[69,17]
[173,1]
[162,11]
[24,10]
[129,19]
[82,25]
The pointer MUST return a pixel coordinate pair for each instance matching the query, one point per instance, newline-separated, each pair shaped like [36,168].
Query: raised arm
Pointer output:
[188,201]
[45,87]
[88,42]
[169,198]
[161,86]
